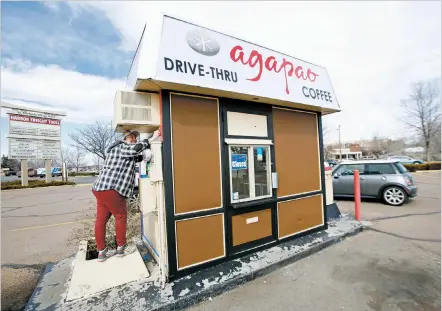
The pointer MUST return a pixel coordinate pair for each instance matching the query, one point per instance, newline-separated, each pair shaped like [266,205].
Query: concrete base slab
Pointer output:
[90,277]
[51,290]
[147,294]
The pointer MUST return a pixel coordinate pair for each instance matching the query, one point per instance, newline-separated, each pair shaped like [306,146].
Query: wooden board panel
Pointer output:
[296,152]
[299,215]
[260,226]
[196,153]
[199,240]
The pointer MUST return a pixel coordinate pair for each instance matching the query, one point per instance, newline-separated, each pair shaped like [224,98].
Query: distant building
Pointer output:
[348,151]
[415,150]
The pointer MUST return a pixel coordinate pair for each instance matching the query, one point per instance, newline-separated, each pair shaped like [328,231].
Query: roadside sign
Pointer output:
[36,126]
[33,149]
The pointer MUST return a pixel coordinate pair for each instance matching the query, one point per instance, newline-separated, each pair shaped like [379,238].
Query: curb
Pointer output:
[82,185]
[427,171]
[42,187]
[250,276]
[48,268]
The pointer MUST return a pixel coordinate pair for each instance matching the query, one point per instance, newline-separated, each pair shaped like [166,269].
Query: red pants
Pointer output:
[110,202]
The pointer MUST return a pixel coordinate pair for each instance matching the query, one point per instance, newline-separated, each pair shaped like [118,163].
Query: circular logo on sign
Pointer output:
[201,42]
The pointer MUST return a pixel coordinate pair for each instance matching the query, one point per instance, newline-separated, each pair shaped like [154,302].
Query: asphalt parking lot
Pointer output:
[393,266]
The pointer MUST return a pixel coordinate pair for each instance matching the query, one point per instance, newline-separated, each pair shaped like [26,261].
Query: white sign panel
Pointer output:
[35,126]
[33,149]
[197,56]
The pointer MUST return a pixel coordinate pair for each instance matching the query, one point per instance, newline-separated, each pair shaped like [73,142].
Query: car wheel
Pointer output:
[394,196]
[416,162]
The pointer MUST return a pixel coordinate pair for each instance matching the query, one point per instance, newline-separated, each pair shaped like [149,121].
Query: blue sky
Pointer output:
[37,36]
[86,42]
[73,56]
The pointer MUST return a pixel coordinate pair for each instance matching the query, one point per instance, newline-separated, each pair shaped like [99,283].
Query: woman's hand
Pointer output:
[155,135]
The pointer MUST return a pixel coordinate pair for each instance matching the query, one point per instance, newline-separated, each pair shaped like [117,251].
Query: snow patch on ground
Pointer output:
[184,292]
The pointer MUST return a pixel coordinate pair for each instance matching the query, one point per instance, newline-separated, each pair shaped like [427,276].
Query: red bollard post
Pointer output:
[357,193]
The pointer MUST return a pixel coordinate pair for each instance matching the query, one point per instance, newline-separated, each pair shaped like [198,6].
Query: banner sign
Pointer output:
[198,56]
[35,126]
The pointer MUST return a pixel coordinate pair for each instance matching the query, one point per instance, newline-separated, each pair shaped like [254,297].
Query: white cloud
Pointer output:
[373,51]
[85,98]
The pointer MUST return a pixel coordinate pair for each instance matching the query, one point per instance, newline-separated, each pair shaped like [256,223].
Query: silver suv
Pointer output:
[387,180]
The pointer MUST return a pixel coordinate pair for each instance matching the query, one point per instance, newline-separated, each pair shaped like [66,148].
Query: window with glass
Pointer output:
[249,172]
[347,169]
[380,169]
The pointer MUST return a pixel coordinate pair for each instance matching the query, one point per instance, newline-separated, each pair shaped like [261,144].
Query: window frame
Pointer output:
[349,164]
[390,165]
[251,172]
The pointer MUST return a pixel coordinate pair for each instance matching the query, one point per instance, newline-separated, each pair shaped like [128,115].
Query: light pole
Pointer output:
[340,145]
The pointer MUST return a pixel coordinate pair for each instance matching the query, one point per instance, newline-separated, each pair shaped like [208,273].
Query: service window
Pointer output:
[249,172]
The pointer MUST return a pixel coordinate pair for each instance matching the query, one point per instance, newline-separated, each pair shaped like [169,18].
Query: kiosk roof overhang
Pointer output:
[177,55]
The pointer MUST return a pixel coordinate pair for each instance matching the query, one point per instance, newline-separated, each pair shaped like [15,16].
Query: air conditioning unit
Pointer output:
[136,111]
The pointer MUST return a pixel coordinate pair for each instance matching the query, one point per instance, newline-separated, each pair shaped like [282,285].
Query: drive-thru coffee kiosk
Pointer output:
[239,167]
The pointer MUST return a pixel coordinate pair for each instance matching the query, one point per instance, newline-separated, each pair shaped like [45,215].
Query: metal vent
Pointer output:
[136,114]
[137,99]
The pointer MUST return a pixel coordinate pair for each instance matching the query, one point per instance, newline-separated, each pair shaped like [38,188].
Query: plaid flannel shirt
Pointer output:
[118,172]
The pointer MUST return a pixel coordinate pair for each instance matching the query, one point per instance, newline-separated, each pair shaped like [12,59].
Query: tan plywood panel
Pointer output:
[199,240]
[299,215]
[196,153]
[251,226]
[296,152]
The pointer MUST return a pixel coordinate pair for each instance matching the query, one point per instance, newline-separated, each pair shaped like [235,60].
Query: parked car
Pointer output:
[41,172]
[406,160]
[387,180]
[10,173]
[55,171]
[332,162]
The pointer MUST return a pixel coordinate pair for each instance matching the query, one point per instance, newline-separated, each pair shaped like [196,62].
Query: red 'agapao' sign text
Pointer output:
[271,64]
[20,118]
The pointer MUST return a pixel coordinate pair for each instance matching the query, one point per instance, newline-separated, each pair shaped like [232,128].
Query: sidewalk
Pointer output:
[50,293]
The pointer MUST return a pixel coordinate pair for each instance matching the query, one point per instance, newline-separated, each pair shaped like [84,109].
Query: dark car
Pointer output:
[387,180]
[10,173]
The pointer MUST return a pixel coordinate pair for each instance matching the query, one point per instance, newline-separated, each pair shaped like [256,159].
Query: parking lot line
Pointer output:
[80,185]
[52,225]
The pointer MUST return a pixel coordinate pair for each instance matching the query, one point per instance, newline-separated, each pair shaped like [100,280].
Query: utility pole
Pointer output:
[340,145]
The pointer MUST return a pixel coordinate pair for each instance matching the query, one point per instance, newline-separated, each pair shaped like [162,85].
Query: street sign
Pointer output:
[31,149]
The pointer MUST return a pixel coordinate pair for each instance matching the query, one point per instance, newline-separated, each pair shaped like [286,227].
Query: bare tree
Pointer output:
[77,157]
[326,148]
[97,162]
[378,146]
[95,138]
[66,154]
[422,112]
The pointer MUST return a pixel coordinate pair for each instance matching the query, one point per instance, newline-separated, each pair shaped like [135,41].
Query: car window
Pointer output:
[380,169]
[400,167]
[347,169]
